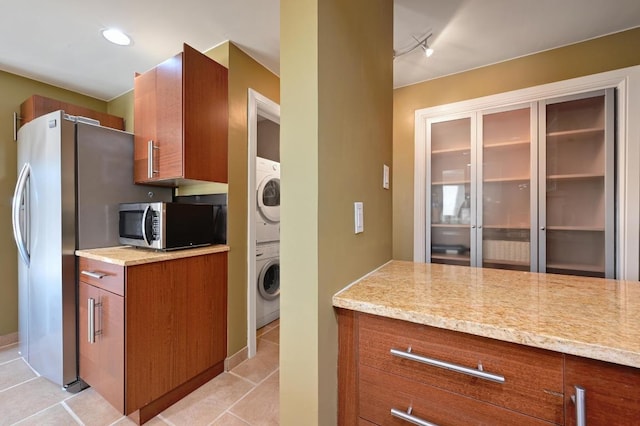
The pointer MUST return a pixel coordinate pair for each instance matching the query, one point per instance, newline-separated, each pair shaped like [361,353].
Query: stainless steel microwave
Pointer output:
[166,226]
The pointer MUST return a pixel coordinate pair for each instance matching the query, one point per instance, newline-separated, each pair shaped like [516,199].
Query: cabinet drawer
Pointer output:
[381,391]
[106,276]
[532,377]
[612,392]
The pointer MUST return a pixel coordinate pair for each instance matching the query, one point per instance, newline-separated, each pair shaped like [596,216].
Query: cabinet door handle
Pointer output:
[448,366]
[150,163]
[581,406]
[408,417]
[92,320]
[92,274]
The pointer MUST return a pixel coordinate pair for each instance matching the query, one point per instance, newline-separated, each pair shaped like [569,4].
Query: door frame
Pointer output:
[627,83]
[258,106]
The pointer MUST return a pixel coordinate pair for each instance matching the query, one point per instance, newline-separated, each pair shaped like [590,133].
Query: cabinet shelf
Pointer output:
[507,144]
[576,228]
[575,267]
[505,262]
[449,225]
[505,226]
[567,134]
[507,179]
[576,176]
[451,257]
[452,182]
[451,150]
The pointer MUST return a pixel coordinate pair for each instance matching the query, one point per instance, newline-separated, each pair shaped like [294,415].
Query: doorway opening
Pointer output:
[264,139]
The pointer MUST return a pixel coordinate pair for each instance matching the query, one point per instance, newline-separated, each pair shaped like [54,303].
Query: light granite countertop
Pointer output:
[589,317]
[129,256]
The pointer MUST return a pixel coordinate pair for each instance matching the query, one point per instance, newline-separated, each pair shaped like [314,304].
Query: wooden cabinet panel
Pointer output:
[37,105]
[102,275]
[381,391]
[144,101]
[612,392]
[182,107]
[533,377]
[102,361]
[172,321]
[176,323]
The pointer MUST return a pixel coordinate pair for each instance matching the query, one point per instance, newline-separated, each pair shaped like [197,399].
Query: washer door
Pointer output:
[269,280]
[269,198]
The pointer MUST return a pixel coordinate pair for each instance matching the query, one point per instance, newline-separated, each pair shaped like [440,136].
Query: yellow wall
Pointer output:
[599,55]
[336,131]
[244,73]
[15,90]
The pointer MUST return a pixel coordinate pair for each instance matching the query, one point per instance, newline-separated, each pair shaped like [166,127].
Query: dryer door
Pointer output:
[269,198]
[269,280]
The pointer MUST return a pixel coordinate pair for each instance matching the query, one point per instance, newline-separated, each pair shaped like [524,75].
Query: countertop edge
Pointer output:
[131,256]
[522,337]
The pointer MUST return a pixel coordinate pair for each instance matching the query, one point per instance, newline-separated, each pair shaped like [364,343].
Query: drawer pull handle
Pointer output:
[448,366]
[581,408]
[96,275]
[408,417]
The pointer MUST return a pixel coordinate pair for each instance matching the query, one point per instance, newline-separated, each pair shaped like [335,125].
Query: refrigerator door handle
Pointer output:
[18,197]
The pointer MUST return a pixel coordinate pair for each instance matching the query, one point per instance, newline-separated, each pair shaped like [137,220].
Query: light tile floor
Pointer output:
[247,395]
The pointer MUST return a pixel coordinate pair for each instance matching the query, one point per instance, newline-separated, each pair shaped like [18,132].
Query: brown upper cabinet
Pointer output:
[37,105]
[181,121]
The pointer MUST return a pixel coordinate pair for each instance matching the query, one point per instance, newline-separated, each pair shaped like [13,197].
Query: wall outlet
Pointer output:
[358,216]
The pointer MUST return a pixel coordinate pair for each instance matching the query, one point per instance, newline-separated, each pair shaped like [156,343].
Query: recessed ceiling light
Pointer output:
[116,36]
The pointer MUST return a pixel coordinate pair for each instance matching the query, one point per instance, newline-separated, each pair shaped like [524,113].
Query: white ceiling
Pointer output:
[60,42]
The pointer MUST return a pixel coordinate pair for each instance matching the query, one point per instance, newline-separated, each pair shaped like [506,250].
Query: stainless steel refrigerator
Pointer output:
[72,175]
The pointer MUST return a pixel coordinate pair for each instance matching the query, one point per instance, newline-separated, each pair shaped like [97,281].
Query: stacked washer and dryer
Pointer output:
[267,241]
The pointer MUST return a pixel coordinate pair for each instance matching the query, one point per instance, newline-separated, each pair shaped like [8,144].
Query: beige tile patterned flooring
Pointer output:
[247,395]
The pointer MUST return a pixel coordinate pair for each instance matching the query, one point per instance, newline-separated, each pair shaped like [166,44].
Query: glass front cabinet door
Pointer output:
[527,187]
[449,151]
[507,194]
[577,189]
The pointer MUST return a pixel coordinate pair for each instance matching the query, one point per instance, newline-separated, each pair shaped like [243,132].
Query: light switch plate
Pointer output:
[385,176]
[359,216]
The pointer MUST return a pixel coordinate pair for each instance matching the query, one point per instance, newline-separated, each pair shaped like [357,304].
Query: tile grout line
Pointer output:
[277,370]
[71,412]
[18,384]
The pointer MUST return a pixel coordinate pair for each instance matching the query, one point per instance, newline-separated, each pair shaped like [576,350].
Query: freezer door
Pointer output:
[105,179]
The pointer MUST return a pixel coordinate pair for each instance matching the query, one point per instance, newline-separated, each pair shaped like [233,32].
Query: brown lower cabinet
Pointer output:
[393,372]
[152,333]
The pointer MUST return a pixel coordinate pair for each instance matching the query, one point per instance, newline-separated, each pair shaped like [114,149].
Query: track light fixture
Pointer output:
[420,42]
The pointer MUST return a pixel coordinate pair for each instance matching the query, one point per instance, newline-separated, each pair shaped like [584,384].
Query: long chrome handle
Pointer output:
[18,196]
[97,275]
[581,406]
[144,225]
[408,417]
[448,366]
[150,159]
[92,320]
[92,332]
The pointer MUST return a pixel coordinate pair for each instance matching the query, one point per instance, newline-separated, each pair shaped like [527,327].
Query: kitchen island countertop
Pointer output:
[129,256]
[589,317]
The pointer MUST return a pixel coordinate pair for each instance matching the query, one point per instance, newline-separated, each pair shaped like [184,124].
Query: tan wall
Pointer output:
[15,90]
[244,73]
[336,130]
[599,55]
[122,106]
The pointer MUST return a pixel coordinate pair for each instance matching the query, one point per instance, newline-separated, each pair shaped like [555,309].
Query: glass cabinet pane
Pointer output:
[575,186]
[450,214]
[506,189]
